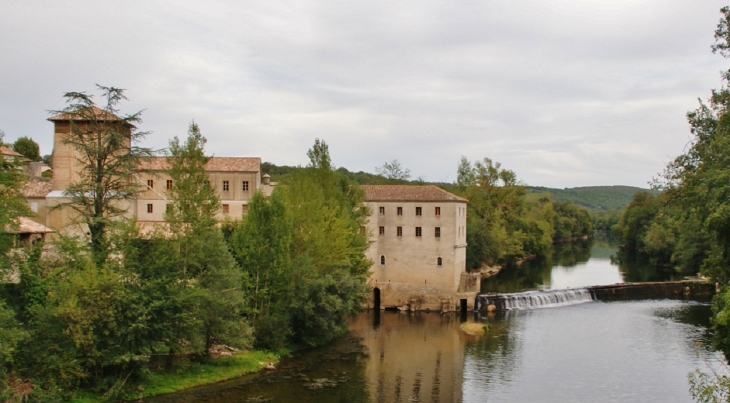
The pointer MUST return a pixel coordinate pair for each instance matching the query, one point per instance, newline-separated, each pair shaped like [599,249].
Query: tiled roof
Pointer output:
[28,226]
[96,112]
[406,193]
[215,164]
[6,151]
[37,188]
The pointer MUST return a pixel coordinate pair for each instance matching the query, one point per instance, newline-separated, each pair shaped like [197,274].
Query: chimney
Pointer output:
[266,179]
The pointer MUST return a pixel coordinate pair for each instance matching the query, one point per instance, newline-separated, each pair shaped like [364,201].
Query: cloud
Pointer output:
[565,93]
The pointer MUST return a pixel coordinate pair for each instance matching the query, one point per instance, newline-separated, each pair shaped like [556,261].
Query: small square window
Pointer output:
[225,209]
[169,184]
[244,186]
[418,231]
[438,211]
[437,232]
[382,230]
[382,211]
[400,231]
[400,210]
[150,183]
[225,186]
[418,211]
[149,208]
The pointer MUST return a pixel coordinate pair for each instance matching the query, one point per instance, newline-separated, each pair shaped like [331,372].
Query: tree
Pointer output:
[27,147]
[394,170]
[109,159]
[13,205]
[202,255]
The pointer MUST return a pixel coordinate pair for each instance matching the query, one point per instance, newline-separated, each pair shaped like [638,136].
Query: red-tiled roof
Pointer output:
[86,114]
[406,193]
[37,188]
[215,164]
[28,226]
[6,151]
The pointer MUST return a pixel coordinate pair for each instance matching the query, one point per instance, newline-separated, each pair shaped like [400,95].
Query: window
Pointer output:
[382,230]
[418,211]
[150,183]
[169,184]
[244,186]
[418,231]
[225,186]
[149,208]
[400,210]
[225,208]
[382,260]
[244,209]
[438,211]
[400,231]
[440,261]
[437,232]
[382,211]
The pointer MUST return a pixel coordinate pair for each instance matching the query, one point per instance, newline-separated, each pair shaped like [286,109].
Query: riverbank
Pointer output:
[180,377]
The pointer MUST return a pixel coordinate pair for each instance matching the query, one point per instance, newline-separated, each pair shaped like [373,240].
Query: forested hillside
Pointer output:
[594,197]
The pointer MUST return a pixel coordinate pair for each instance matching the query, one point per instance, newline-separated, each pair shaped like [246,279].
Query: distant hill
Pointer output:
[594,197]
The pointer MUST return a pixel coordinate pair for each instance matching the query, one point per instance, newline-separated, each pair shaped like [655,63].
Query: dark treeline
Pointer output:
[100,314]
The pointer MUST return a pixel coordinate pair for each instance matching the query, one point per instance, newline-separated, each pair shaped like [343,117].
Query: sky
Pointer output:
[565,93]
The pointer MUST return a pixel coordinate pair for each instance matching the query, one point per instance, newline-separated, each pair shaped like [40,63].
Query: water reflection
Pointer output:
[576,264]
[598,352]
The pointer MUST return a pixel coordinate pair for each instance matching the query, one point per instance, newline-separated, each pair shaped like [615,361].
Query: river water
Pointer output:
[639,351]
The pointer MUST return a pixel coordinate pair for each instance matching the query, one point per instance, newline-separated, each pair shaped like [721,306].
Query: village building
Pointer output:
[417,238]
[236,180]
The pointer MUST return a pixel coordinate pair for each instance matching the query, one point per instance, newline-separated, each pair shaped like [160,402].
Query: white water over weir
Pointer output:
[535,299]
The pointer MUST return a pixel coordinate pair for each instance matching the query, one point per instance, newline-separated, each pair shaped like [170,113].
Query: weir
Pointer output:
[615,292]
[534,299]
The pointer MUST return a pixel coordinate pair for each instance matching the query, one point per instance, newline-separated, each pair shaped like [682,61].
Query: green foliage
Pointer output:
[302,255]
[505,224]
[709,388]
[13,205]
[27,147]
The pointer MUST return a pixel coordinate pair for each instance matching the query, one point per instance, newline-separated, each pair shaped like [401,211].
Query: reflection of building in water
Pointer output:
[413,356]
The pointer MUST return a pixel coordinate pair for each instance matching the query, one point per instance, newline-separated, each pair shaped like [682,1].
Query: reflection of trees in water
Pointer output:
[536,272]
[570,254]
[637,270]
[493,361]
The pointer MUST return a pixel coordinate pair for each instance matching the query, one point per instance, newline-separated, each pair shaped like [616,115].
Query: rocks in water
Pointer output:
[491,308]
[321,383]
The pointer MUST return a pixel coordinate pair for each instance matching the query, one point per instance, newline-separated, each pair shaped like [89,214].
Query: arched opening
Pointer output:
[440,261]
[463,305]
[382,260]
[376,298]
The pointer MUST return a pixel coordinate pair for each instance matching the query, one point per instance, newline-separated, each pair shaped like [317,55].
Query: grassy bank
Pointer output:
[196,374]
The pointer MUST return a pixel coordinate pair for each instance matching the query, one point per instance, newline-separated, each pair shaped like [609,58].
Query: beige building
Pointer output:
[418,246]
[235,179]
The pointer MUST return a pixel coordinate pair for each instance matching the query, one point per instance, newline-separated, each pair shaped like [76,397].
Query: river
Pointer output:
[595,351]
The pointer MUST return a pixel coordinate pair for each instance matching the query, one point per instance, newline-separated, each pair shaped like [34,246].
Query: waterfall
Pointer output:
[535,299]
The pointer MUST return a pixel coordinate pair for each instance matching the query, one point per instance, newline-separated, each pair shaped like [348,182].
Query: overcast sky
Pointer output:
[565,93]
